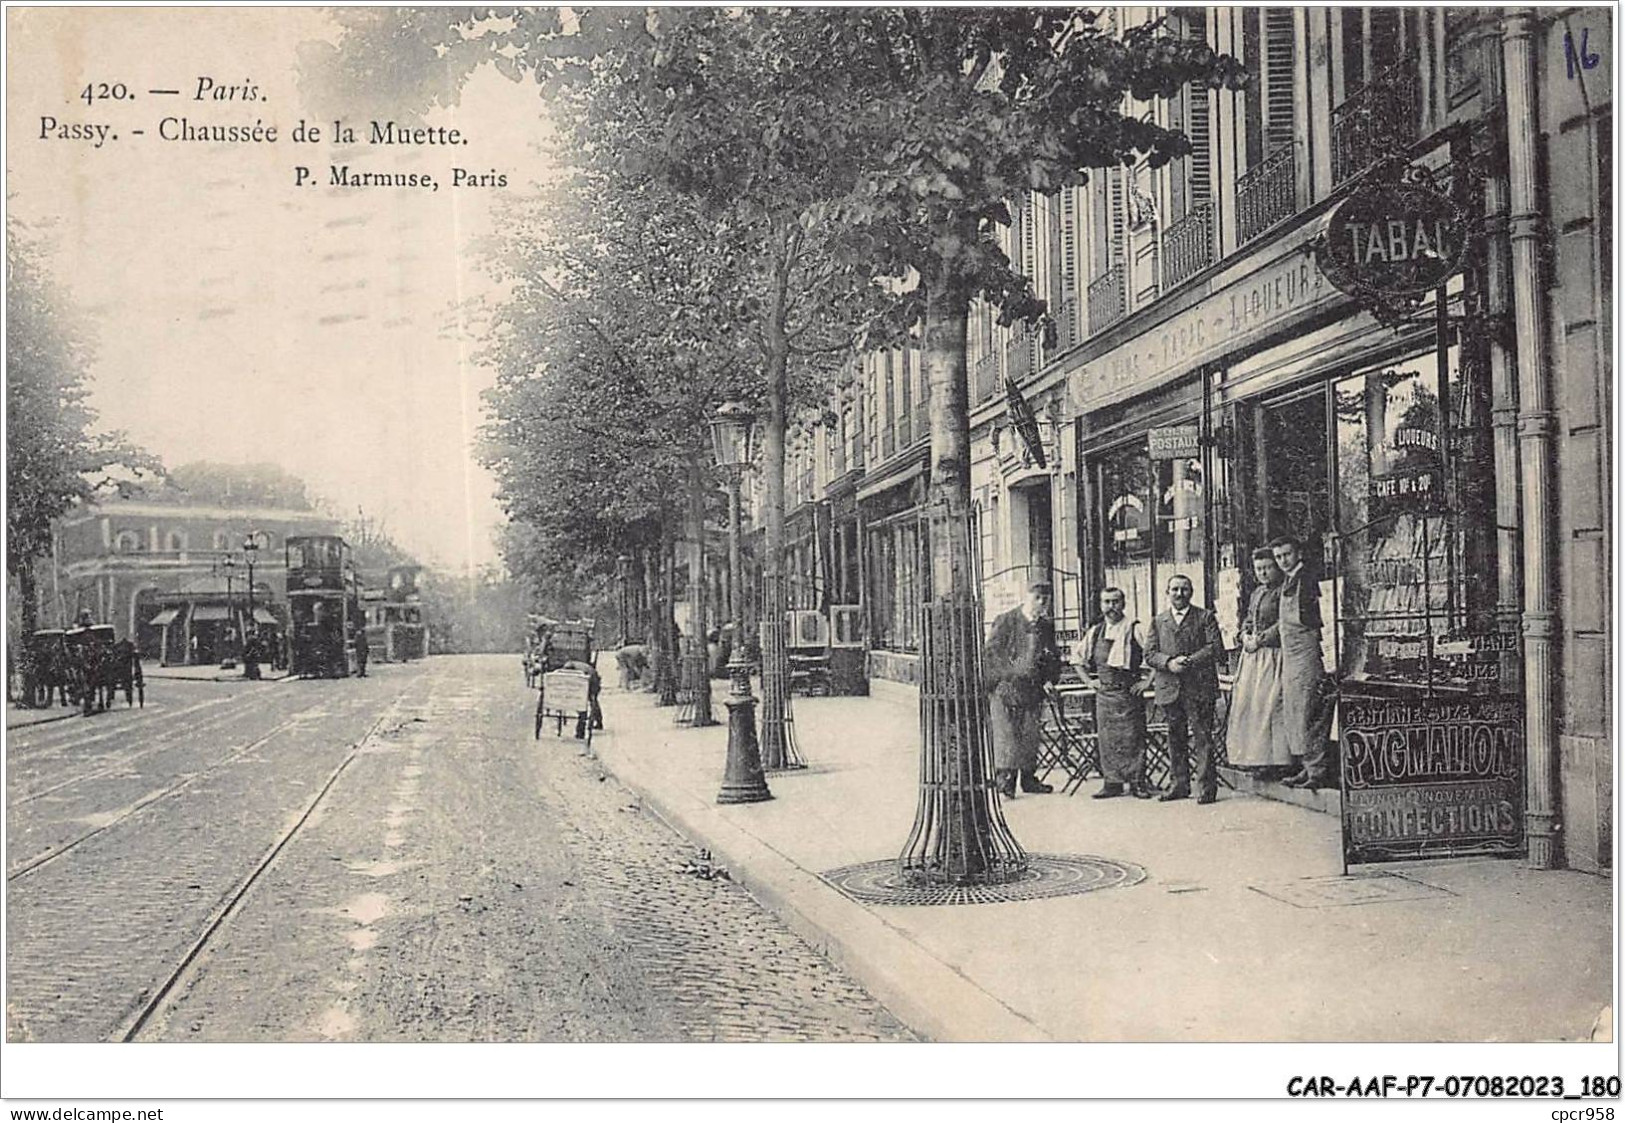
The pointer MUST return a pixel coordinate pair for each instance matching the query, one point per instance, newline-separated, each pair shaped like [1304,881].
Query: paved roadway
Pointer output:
[388,859]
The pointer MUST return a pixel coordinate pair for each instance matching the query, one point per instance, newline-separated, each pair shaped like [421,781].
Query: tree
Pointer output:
[981,106]
[237,485]
[54,455]
[723,109]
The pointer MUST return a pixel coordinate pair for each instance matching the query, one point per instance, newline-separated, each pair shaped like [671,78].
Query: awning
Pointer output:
[903,477]
[167,616]
[208,612]
[263,617]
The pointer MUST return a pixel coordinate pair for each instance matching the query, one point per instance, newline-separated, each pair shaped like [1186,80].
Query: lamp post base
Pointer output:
[742,780]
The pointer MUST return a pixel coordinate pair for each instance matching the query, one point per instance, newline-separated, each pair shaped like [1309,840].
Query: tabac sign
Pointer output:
[1393,240]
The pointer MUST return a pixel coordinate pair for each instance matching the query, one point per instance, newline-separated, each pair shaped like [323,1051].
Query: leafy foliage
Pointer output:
[54,455]
[236,485]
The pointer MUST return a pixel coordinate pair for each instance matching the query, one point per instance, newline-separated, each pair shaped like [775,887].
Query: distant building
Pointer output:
[133,562]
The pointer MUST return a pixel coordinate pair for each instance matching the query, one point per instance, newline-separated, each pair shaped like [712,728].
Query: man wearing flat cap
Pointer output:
[1021,658]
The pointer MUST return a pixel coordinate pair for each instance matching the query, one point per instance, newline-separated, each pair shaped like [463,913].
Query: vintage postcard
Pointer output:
[894,525]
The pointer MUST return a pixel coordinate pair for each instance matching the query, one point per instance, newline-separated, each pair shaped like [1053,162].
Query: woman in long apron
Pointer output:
[1256,735]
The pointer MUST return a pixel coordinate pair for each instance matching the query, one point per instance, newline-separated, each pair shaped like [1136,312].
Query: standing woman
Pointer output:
[1256,736]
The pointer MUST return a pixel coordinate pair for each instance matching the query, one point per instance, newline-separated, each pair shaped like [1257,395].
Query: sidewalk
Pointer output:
[18,717]
[1469,950]
[211,673]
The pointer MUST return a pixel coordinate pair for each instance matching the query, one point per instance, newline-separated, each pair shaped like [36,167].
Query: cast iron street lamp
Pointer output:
[251,549]
[742,780]
[228,565]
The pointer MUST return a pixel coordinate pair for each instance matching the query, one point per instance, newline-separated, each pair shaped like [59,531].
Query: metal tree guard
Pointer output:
[959,836]
[780,753]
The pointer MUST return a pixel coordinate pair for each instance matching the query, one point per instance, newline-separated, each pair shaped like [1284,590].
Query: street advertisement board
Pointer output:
[566,692]
[1431,777]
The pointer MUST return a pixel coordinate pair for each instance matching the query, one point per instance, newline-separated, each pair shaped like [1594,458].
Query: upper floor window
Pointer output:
[127,542]
[1267,192]
[177,541]
[1376,85]
[222,540]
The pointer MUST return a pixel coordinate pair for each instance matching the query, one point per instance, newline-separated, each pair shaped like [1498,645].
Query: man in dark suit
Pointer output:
[1183,648]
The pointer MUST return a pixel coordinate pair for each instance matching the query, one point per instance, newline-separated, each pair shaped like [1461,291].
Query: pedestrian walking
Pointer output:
[1255,733]
[252,656]
[1302,667]
[1021,659]
[1112,658]
[361,651]
[1183,648]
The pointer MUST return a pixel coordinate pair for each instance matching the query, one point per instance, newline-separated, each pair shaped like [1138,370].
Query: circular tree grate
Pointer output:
[1047,875]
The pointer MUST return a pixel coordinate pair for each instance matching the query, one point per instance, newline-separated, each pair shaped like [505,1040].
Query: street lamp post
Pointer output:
[742,781]
[251,549]
[227,564]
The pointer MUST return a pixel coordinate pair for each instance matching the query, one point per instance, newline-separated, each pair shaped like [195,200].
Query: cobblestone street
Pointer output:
[427,873]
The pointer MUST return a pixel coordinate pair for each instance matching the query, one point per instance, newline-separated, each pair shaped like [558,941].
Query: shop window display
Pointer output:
[1401,577]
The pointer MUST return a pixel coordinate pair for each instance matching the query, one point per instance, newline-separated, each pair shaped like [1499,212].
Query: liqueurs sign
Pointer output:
[1393,240]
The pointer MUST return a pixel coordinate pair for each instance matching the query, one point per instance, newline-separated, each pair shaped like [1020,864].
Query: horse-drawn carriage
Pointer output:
[84,666]
[561,663]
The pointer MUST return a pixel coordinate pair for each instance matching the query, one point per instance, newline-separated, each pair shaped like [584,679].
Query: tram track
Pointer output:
[22,747]
[45,857]
[107,767]
[232,903]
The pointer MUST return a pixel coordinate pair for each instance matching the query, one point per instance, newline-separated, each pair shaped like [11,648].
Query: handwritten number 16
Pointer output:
[1581,59]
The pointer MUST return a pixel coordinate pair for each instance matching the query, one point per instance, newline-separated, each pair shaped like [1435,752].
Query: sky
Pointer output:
[239,316]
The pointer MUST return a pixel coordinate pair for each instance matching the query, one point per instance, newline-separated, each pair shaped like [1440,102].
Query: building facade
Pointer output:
[1211,388]
[158,572]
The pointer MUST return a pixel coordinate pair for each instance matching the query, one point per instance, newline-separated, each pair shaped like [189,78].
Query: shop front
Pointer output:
[1277,406]
[896,569]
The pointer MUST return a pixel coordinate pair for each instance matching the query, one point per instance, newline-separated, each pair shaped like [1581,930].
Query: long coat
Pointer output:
[1021,653]
[1200,640]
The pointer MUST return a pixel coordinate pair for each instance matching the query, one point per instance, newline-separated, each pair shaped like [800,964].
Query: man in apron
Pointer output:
[1112,657]
[1301,668]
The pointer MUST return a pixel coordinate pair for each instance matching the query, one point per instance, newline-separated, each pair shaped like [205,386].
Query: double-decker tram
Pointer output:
[395,629]
[324,606]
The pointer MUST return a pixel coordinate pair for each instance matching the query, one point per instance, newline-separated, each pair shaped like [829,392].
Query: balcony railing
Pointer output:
[1266,195]
[1108,299]
[1383,119]
[1018,353]
[1187,246]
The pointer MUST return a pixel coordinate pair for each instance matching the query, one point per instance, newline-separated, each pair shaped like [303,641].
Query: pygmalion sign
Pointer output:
[1426,777]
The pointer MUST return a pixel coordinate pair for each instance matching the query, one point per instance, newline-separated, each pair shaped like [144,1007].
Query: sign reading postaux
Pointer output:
[1175,442]
[1393,240]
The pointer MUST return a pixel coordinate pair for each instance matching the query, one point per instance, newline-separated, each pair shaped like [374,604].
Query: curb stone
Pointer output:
[928,995]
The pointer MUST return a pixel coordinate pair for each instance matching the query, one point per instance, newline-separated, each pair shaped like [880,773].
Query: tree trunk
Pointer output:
[699,665]
[28,594]
[778,750]
[652,646]
[666,683]
[959,835]
[947,313]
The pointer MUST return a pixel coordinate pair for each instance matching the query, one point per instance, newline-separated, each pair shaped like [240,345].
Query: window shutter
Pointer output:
[1201,157]
[1280,98]
[1119,216]
[1100,240]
